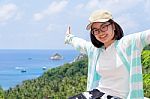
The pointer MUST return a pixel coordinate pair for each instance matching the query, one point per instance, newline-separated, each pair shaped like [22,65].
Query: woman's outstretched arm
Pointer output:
[141,39]
[78,43]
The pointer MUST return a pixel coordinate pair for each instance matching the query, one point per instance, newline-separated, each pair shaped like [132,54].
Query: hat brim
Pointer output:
[88,27]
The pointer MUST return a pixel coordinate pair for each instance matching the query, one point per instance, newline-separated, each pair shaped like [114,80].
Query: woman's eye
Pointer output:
[104,26]
[95,30]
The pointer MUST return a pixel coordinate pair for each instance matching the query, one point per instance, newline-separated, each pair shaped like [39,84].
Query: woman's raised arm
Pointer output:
[78,43]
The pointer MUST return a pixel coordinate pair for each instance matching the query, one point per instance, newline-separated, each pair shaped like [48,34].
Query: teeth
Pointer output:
[103,36]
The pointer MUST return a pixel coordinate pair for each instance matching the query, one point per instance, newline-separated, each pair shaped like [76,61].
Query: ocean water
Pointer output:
[32,61]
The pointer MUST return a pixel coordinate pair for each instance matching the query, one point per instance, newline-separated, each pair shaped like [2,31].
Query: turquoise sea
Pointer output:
[19,65]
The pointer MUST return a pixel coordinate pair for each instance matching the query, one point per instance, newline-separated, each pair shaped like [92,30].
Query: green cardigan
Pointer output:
[129,49]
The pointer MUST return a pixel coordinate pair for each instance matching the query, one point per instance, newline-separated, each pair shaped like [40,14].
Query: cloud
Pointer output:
[7,12]
[116,6]
[126,12]
[53,8]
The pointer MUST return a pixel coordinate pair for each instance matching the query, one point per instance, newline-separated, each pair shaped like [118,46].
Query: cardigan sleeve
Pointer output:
[140,39]
[78,43]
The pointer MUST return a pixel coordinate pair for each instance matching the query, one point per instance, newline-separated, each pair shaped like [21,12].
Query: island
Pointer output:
[56,56]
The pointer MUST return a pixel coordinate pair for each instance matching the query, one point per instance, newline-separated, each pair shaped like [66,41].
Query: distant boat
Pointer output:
[44,68]
[23,70]
[56,56]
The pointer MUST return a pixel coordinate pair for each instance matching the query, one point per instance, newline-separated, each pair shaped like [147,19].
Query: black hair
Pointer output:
[118,35]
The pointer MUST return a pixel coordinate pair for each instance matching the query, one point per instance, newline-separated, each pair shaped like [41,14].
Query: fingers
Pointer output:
[68,30]
[67,34]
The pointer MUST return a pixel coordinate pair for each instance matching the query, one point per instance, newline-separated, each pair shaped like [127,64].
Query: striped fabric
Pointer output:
[129,49]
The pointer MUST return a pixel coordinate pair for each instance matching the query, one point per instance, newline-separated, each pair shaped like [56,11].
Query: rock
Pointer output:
[56,56]
[80,57]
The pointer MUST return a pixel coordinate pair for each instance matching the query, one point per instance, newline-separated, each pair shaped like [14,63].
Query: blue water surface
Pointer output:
[12,62]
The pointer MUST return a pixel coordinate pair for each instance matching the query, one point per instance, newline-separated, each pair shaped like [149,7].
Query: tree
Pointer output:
[1,93]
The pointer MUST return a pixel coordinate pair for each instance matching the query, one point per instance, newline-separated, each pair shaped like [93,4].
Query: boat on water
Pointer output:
[44,68]
[23,70]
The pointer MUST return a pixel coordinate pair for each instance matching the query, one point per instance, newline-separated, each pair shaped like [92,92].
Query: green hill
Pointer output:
[65,81]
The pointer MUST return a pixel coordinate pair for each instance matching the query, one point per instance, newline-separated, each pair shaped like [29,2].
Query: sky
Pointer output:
[41,24]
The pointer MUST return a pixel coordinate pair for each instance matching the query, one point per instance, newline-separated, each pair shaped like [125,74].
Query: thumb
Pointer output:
[68,30]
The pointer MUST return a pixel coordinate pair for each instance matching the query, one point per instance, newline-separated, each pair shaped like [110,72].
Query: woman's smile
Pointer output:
[103,37]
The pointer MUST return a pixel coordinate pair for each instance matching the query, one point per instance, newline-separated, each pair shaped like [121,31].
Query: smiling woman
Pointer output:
[114,61]
[107,32]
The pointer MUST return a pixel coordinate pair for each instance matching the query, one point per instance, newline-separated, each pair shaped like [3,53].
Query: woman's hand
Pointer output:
[68,30]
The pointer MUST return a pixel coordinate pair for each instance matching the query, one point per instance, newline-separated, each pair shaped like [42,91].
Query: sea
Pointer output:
[17,65]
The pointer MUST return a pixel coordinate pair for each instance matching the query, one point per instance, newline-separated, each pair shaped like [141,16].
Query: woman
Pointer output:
[114,61]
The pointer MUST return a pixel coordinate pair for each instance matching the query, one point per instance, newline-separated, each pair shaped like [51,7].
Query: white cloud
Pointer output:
[116,6]
[123,11]
[7,12]
[53,8]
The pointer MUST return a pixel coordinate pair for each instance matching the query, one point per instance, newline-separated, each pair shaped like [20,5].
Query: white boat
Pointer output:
[23,70]
[44,68]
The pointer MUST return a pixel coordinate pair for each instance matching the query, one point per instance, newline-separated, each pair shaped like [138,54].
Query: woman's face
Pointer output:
[104,32]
